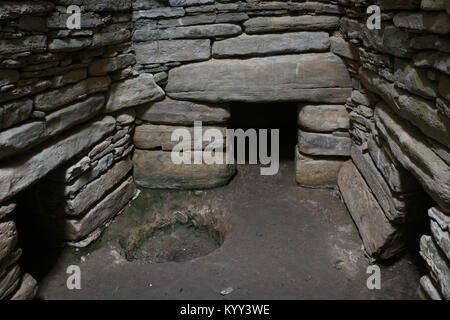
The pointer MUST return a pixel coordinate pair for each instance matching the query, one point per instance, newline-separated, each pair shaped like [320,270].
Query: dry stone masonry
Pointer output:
[62,126]
[240,51]
[85,114]
[323,144]
[400,127]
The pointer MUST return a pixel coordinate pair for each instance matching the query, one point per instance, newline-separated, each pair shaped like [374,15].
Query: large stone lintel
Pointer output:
[317,78]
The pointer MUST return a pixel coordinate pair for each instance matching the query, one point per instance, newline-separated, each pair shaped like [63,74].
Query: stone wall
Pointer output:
[75,103]
[60,124]
[209,53]
[400,127]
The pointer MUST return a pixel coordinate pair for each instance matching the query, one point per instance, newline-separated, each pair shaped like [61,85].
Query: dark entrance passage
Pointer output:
[282,116]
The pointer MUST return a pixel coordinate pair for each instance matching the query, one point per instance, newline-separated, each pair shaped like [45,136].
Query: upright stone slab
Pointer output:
[343,48]
[428,289]
[398,208]
[398,179]
[305,77]
[437,264]
[9,282]
[381,239]
[440,229]
[420,112]
[150,136]
[69,116]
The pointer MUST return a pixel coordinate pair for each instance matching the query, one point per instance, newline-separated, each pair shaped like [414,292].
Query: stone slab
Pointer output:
[276,24]
[398,179]
[437,264]
[9,282]
[271,44]
[427,285]
[164,51]
[323,118]
[155,169]
[316,172]
[76,230]
[96,190]
[8,238]
[29,168]
[27,289]
[410,148]
[21,138]
[440,229]
[318,78]
[133,92]
[321,144]
[177,112]
[188,32]
[398,208]
[380,238]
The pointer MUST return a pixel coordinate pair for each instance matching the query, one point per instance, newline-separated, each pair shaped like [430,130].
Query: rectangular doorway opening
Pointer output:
[282,116]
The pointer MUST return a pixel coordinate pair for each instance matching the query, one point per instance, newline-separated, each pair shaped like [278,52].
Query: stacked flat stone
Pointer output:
[323,144]
[66,96]
[84,194]
[56,84]
[400,126]
[435,250]
[217,52]
[154,167]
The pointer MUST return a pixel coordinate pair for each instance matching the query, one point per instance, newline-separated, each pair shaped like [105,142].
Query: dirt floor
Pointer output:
[280,241]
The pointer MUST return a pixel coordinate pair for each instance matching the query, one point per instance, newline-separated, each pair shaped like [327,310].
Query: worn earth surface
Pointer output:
[282,242]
